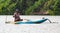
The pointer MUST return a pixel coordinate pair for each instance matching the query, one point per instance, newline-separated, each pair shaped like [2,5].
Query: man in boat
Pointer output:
[16,16]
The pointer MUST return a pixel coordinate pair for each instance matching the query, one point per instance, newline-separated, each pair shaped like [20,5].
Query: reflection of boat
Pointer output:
[31,22]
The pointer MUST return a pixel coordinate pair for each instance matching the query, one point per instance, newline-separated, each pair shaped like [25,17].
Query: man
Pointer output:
[16,16]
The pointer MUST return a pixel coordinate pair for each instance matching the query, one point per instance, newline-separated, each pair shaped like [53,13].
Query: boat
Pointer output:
[31,22]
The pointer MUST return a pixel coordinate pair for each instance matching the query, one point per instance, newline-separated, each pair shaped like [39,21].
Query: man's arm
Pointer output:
[14,14]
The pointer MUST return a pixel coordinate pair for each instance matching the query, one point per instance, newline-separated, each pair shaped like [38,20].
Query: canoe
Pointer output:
[31,22]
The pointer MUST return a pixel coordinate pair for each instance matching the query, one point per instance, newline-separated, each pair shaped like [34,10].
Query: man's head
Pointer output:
[17,10]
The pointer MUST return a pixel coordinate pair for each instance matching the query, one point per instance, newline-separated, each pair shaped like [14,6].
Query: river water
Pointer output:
[45,27]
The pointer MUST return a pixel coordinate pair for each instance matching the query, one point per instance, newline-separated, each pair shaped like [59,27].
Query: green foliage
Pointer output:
[30,9]
[26,7]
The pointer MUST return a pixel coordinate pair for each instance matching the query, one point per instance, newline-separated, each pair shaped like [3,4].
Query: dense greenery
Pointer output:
[27,7]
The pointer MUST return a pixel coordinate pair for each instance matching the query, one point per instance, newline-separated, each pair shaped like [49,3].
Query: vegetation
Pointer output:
[27,7]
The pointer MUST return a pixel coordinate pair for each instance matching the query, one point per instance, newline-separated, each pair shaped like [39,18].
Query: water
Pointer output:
[45,27]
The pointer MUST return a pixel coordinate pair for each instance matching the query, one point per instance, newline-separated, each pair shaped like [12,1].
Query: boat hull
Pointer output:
[31,22]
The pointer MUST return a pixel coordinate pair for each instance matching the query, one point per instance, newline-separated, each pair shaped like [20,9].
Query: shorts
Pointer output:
[18,19]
